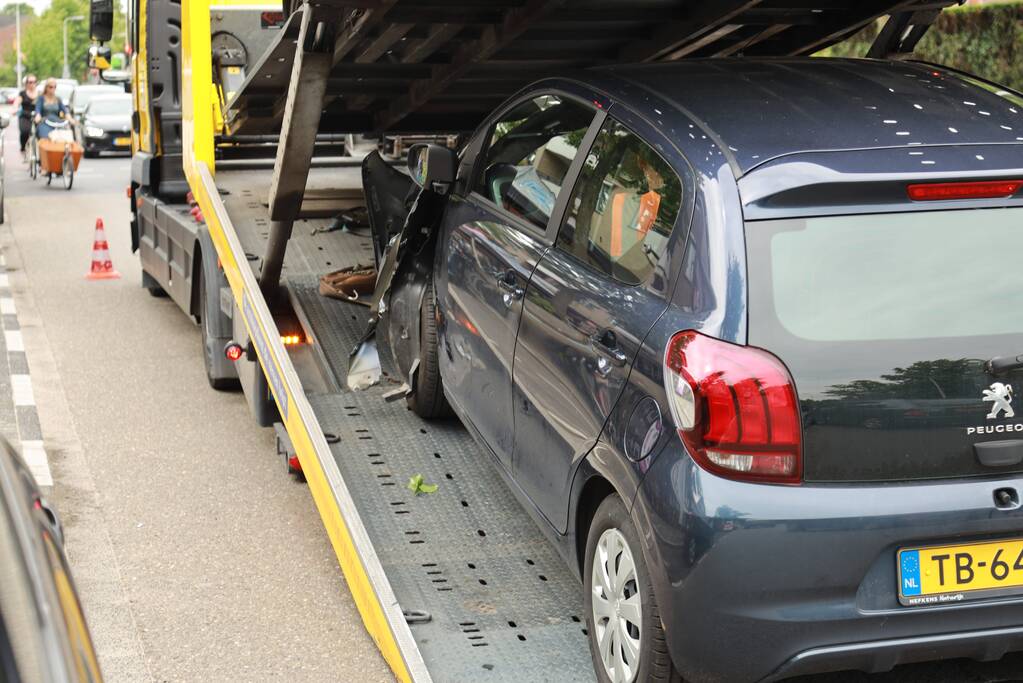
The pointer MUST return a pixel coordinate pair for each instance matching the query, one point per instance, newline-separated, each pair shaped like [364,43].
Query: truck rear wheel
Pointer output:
[152,286]
[428,401]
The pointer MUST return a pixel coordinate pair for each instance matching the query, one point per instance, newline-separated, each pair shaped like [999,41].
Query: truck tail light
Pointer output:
[735,408]
[234,351]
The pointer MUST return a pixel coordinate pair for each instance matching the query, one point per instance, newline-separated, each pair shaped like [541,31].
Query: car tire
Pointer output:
[612,531]
[428,400]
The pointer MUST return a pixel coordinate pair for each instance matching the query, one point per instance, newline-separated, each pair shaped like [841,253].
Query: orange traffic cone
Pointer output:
[102,267]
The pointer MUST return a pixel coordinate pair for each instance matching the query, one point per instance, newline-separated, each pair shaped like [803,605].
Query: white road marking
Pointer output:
[7,306]
[21,390]
[4,280]
[14,340]
[35,457]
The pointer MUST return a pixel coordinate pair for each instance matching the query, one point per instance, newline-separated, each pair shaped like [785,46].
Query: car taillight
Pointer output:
[735,408]
[980,189]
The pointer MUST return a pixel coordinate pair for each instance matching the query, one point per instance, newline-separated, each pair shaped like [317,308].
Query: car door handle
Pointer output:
[605,343]
[510,284]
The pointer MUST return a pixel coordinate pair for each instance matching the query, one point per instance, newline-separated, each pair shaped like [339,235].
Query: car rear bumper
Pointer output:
[759,582]
[883,655]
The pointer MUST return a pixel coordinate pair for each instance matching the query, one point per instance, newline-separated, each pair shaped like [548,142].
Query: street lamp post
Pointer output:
[17,39]
[67,69]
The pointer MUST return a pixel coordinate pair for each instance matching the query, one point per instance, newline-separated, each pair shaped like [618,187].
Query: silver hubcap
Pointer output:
[617,611]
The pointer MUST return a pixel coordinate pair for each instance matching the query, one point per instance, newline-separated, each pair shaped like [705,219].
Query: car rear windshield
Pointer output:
[890,276]
[105,106]
[84,95]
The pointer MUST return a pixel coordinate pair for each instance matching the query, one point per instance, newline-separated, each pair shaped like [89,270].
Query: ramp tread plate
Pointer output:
[308,253]
[504,606]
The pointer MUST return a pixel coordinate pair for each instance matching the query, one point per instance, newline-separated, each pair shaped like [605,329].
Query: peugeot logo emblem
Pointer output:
[1001,397]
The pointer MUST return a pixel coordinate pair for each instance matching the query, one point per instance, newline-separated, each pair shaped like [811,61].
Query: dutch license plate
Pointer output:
[953,573]
[122,142]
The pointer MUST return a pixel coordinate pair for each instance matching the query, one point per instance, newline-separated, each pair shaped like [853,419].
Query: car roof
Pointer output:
[760,109]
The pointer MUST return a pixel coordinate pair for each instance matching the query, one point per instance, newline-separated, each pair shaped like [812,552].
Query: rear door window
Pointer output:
[897,276]
[623,208]
[530,150]
[885,322]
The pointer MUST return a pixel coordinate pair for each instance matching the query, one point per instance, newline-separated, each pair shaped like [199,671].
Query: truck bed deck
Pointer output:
[502,603]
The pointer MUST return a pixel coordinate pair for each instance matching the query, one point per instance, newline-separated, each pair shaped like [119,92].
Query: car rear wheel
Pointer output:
[428,401]
[627,640]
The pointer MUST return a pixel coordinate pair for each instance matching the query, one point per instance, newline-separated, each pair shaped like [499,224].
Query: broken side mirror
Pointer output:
[432,167]
[101,20]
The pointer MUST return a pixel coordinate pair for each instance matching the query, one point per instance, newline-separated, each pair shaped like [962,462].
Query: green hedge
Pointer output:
[986,40]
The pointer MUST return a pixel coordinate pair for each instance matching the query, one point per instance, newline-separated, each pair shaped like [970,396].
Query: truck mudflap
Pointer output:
[373,594]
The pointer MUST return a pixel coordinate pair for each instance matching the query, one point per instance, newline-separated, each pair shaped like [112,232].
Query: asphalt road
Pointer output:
[196,557]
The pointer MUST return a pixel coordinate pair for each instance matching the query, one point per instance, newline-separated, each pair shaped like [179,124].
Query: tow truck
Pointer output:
[248,123]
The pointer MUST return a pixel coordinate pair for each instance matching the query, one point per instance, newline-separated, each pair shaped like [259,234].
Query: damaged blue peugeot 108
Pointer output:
[746,337]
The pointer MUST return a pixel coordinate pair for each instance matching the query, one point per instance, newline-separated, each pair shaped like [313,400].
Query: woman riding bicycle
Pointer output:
[49,109]
[26,106]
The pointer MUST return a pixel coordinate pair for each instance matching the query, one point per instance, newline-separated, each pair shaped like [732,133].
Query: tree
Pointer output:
[27,11]
[42,41]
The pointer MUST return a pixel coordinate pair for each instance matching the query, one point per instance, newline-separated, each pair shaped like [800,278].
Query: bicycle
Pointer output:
[46,162]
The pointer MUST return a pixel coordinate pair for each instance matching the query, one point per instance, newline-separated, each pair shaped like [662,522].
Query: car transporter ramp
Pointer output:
[485,595]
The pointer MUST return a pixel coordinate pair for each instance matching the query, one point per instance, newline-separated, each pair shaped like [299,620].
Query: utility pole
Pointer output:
[17,40]
[67,69]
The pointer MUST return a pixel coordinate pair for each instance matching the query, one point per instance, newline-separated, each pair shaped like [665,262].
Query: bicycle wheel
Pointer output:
[69,171]
[33,159]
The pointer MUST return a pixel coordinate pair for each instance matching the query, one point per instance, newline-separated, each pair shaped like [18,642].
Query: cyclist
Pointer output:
[49,109]
[26,106]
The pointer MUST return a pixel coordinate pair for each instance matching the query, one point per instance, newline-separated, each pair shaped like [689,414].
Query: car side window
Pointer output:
[530,150]
[623,207]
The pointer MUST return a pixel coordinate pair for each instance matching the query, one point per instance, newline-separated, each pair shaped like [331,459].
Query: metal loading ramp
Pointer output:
[442,65]
[503,605]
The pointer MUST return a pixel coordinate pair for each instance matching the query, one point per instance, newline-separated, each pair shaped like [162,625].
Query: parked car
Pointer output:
[8,95]
[106,124]
[648,279]
[83,94]
[43,634]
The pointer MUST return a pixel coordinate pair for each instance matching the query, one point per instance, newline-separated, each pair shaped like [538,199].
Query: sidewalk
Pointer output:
[19,418]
